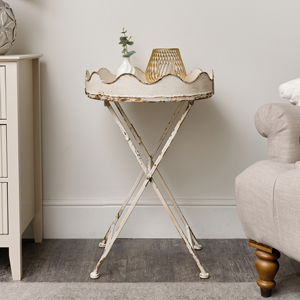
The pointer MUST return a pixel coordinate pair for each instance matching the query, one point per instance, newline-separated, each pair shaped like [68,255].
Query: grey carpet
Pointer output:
[140,270]
[289,290]
[139,260]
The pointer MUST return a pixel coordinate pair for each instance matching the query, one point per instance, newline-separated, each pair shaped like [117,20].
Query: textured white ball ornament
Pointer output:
[291,91]
[7,27]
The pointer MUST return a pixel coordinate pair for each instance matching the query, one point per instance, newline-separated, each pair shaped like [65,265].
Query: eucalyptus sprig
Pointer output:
[126,41]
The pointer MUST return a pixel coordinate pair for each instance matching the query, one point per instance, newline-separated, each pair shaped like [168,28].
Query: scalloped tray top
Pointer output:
[103,85]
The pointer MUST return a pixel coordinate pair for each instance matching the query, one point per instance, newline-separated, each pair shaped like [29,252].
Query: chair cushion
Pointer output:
[255,200]
[287,211]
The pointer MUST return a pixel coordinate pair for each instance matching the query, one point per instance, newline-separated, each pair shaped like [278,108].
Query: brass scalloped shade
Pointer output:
[163,62]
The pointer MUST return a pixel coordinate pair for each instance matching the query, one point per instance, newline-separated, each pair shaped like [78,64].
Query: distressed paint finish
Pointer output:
[103,97]
[191,237]
[105,86]
[149,169]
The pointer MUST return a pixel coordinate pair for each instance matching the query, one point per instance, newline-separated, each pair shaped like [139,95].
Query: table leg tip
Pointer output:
[197,247]
[204,275]
[94,275]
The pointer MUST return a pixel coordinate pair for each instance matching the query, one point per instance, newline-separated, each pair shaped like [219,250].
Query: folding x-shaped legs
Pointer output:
[150,174]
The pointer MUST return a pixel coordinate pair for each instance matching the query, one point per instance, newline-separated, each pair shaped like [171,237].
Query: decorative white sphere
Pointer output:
[7,27]
[291,91]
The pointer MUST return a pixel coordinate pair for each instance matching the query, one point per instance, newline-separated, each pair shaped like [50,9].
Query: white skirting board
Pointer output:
[211,218]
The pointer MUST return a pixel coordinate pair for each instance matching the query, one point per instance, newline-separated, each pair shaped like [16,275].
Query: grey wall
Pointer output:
[253,46]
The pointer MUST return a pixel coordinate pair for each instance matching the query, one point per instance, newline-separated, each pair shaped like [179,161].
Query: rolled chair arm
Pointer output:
[280,123]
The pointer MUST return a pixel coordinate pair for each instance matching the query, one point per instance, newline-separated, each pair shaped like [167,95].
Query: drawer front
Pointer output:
[3,208]
[3,151]
[3,108]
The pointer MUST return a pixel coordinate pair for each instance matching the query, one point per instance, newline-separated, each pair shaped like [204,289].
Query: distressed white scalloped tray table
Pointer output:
[103,85]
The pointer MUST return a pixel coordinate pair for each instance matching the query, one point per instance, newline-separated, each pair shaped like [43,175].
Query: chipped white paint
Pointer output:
[190,234]
[150,174]
[103,85]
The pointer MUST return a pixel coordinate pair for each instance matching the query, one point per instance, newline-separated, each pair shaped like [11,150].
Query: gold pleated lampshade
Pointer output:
[165,61]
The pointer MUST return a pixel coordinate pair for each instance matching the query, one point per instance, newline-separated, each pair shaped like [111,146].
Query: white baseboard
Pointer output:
[209,218]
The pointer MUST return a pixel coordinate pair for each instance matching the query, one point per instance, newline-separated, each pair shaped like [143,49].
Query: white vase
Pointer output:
[126,67]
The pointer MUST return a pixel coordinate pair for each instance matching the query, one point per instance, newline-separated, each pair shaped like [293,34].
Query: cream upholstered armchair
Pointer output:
[268,193]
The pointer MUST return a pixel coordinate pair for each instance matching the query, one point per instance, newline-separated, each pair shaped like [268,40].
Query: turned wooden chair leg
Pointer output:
[267,267]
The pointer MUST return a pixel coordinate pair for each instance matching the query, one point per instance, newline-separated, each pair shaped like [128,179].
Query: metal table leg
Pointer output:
[150,174]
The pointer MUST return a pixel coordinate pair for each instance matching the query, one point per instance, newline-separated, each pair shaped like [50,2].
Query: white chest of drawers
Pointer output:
[20,154]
